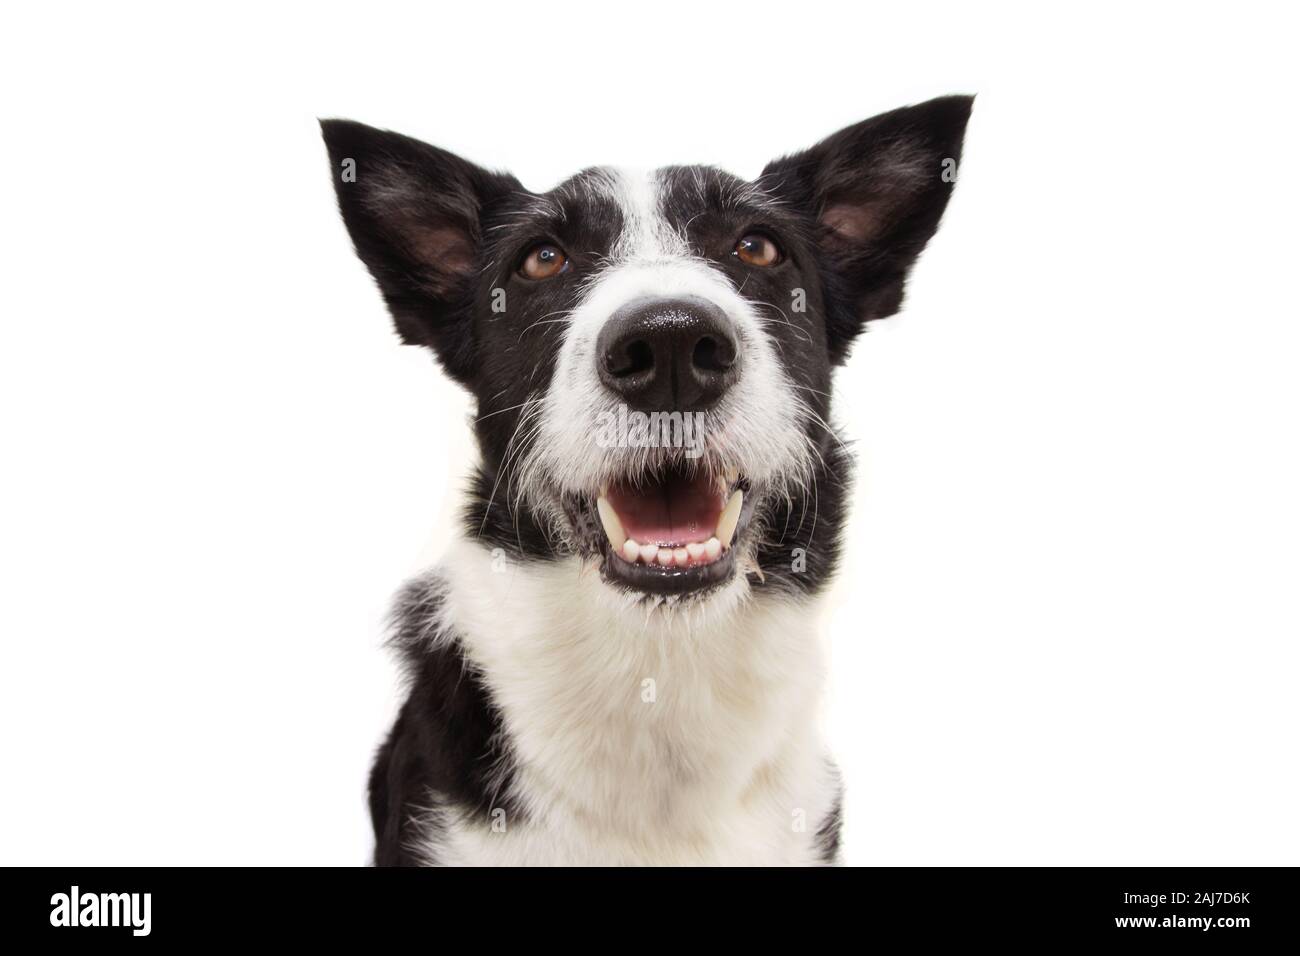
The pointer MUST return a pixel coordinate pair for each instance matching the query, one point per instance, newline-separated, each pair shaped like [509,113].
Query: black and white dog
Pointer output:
[617,663]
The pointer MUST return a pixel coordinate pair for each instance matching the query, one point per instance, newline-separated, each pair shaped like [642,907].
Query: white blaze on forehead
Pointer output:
[646,232]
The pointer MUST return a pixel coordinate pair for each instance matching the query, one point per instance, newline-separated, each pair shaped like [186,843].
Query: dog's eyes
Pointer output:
[543,261]
[756,249]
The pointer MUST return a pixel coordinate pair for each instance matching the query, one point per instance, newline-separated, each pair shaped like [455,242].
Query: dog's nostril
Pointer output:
[635,357]
[711,356]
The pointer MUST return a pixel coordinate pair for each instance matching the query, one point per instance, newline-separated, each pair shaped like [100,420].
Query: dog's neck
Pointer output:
[629,721]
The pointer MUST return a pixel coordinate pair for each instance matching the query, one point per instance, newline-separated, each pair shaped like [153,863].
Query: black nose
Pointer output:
[665,354]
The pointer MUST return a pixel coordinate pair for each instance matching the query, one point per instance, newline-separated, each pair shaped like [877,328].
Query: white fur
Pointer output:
[724,766]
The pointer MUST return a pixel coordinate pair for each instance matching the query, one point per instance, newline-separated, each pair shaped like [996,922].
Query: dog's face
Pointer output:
[651,353]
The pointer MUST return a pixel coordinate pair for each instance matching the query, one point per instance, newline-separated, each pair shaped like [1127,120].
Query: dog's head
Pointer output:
[651,353]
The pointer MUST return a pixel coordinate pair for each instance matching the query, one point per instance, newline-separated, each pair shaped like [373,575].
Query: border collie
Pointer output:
[618,661]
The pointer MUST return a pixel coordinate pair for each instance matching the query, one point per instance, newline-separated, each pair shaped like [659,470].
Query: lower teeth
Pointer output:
[680,556]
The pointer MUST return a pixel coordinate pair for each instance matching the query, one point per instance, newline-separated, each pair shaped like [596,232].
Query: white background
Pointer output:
[1066,630]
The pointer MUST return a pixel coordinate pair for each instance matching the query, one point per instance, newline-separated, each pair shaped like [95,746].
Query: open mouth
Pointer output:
[672,531]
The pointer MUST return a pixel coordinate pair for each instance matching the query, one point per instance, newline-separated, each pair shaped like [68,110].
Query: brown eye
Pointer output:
[756,249]
[544,261]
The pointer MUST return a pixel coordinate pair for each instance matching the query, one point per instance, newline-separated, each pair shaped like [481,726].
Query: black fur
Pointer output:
[448,744]
[828,834]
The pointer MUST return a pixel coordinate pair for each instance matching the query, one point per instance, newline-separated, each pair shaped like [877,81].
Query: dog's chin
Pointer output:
[674,531]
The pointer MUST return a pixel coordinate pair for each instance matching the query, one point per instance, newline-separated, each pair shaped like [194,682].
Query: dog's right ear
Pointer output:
[415,213]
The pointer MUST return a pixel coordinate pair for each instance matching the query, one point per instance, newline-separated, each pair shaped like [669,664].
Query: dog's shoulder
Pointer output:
[447,746]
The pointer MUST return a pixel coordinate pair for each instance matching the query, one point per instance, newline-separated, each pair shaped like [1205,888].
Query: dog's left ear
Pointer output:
[876,191]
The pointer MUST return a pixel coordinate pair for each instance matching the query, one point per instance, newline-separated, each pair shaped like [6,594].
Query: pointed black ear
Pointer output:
[876,192]
[415,213]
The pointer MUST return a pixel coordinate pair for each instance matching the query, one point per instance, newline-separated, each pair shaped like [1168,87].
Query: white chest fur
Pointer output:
[640,736]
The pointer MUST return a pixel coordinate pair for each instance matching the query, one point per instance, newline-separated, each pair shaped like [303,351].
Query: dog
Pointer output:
[617,662]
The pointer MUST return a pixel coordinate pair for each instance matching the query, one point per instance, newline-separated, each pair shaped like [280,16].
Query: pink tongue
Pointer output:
[675,511]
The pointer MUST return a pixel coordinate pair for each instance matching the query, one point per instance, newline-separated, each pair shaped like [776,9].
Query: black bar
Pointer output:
[1225,907]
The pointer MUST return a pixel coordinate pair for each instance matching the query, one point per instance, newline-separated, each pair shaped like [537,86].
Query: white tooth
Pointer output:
[681,556]
[665,556]
[712,548]
[695,550]
[649,552]
[613,527]
[631,550]
[730,517]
